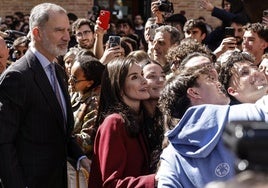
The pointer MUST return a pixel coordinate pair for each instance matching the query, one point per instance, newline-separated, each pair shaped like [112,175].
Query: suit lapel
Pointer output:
[43,83]
[62,79]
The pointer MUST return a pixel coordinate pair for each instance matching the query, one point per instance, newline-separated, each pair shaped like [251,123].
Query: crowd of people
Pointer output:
[142,103]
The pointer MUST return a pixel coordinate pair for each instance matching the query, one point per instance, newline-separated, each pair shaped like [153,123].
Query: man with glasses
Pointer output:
[83,29]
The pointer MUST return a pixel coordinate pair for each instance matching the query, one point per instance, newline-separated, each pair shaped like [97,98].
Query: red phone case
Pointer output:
[104,19]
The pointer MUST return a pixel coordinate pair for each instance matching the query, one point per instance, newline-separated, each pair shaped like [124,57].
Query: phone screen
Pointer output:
[229,32]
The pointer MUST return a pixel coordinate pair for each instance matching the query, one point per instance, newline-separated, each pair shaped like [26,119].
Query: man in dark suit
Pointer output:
[35,130]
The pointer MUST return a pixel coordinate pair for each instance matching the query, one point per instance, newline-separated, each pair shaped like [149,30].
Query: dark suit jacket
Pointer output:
[33,142]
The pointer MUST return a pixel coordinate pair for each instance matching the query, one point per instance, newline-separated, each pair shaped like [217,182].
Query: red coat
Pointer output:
[119,160]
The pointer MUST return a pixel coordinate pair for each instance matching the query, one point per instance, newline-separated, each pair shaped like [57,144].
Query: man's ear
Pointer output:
[231,91]
[36,33]
[193,92]
[90,83]
[203,36]
[264,45]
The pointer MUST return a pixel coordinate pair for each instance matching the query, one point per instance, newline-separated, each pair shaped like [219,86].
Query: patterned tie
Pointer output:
[56,88]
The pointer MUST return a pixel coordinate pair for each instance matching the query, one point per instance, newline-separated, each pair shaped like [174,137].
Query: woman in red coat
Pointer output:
[121,157]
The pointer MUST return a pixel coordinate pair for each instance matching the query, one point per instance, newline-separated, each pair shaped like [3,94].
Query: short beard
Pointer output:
[52,48]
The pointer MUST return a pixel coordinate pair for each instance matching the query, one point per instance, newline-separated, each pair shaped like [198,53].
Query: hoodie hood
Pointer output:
[196,135]
[196,153]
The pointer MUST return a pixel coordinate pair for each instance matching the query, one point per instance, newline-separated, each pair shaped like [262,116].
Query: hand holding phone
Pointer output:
[104,18]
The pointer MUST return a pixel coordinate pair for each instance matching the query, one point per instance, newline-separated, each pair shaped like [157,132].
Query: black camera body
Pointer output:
[165,6]
[249,142]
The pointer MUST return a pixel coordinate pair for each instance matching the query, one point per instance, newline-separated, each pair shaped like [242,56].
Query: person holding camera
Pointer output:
[160,9]
[233,37]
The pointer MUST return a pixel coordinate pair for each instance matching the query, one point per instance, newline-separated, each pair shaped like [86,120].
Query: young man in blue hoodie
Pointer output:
[196,154]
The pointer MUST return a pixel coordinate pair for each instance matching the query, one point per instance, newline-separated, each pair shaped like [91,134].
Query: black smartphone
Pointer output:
[114,41]
[229,32]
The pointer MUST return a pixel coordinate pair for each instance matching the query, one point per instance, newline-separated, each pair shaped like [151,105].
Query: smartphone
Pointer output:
[104,19]
[114,41]
[229,32]
[265,13]
[152,31]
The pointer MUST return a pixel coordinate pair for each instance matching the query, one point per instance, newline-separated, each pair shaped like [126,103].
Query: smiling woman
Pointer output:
[120,129]
[155,76]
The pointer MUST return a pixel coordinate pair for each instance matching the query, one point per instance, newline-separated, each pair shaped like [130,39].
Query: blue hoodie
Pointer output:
[196,154]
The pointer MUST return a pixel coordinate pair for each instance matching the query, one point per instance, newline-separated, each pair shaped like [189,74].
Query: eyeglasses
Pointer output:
[74,79]
[83,33]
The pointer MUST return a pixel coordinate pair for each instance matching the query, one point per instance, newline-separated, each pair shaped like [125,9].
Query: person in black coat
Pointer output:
[35,130]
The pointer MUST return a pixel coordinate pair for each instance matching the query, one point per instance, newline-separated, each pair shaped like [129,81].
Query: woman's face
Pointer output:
[135,87]
[68,62]
[77,79]
[155,77]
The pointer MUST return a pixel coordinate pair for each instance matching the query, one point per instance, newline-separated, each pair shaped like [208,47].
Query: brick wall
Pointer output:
[80,7]
[193,10]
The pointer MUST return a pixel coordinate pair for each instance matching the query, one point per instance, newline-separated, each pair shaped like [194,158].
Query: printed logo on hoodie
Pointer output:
[222,170]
